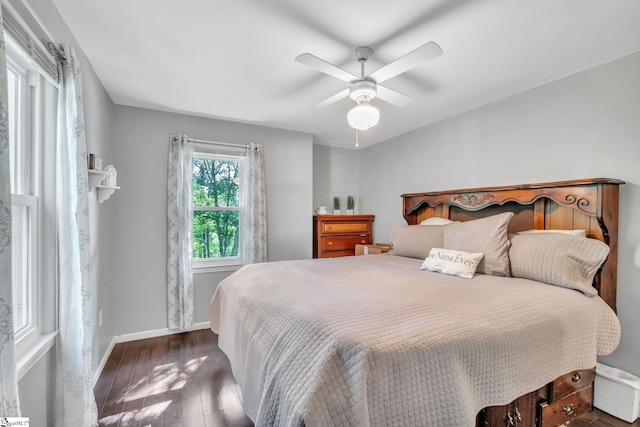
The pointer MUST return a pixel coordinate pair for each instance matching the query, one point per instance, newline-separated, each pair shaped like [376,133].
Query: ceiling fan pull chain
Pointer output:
[357,144]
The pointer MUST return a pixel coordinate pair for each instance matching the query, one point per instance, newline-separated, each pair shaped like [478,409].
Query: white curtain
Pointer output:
[75,402]
[9,406]
[179,230]
[180,224]
[254,223]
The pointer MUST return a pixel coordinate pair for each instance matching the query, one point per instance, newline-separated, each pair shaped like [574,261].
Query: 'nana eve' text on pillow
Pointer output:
[455,263]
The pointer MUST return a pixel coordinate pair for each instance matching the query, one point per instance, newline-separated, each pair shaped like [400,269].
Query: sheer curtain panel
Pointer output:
[253,227]
[75,402]
[9,406]
[179,234]
[254,223]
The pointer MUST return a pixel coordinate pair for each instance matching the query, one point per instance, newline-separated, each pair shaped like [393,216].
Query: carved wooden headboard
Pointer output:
[589,204]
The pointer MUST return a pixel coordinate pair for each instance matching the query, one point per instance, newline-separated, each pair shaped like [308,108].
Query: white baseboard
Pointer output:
[201,325]
[143,335]
[140,336]
[158,333]
[103,361]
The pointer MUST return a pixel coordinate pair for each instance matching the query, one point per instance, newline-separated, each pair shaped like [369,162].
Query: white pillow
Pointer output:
[436,220]
[581,233]
[455,263]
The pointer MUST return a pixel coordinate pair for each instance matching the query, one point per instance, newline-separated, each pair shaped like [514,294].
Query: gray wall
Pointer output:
[36,387]
[335,173]
[583,126]
[139,239]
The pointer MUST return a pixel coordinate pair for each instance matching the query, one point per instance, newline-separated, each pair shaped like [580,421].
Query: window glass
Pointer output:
[216,207]
[16,77]
[215,234]
[20,267]
[216,182]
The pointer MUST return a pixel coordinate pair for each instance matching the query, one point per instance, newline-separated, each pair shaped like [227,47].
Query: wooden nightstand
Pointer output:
[338,235]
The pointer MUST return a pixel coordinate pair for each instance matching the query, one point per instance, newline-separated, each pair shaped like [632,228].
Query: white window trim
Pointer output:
[207,267]
[213,265]
[34,353]
[32,346]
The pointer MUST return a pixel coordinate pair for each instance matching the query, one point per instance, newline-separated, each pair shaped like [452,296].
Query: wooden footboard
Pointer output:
[555,404]
[567,397]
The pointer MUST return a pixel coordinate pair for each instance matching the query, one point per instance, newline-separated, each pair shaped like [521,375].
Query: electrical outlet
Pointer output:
[100,318]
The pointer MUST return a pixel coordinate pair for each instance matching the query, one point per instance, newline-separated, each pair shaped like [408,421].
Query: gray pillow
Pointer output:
[486,235]
[415,241]
[558,259]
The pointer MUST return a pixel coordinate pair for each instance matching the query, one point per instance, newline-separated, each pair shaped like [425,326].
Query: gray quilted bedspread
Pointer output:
[375,341]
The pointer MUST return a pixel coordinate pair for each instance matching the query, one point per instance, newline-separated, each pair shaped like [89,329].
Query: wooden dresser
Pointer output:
[338,235]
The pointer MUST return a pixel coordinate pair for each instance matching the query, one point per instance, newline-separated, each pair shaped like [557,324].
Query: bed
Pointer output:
[377,341]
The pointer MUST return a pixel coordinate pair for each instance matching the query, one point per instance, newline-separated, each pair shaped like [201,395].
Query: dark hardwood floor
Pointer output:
[175,380]
[185,380]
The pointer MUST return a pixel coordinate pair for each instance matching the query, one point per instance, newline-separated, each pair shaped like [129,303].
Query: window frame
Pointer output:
[35,189]
[201,265]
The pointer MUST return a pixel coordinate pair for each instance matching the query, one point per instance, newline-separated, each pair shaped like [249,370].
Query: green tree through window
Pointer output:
[216,206]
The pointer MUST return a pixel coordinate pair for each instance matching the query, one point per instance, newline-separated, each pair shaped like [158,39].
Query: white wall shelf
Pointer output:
[105,191]
[95,178]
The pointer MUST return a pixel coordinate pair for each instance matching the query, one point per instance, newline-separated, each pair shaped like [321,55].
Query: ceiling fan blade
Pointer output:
[323,66]
[393,97]
[335,98]
[411,60]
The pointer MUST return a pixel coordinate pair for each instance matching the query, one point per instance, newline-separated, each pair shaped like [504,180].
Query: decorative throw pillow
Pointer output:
[455,263]
[558,259]
[436,220]
[415,241]
[486,235]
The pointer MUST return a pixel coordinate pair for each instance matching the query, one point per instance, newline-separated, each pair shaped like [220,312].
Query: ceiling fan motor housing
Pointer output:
[362,53]
[362,91]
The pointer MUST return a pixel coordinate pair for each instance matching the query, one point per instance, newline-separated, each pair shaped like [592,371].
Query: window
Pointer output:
[217,204]
[31,110]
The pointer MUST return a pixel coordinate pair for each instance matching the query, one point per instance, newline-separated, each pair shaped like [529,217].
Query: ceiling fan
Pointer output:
[363,89]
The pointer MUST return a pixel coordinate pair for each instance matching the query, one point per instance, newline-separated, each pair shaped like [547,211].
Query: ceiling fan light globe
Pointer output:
[363,116]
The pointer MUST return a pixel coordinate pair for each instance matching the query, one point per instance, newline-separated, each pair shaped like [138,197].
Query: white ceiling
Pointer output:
[234,59]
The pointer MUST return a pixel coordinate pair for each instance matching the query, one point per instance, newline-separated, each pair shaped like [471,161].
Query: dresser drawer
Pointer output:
[565,409]
[342,243]
[338,235]
[346,227]
[570,383]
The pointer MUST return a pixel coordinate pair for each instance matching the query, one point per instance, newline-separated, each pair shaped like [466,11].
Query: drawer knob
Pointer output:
[576,377]
[513,419]
[364,241]
[568,410]
[330,227]
[330,243]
